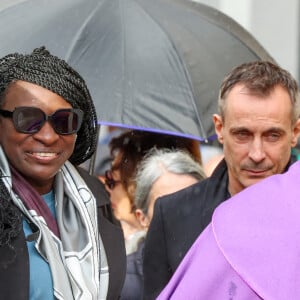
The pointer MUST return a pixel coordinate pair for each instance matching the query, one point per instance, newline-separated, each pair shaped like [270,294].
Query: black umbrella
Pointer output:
[149,64]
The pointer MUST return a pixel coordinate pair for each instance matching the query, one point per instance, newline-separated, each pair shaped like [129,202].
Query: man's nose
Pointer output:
[256,151]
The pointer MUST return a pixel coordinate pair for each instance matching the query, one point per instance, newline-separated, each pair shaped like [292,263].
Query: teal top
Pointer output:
[41,284]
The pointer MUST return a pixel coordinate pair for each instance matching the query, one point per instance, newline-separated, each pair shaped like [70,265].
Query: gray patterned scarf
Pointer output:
[77,259]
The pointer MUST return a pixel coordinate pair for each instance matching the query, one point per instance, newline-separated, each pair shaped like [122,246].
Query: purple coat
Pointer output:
[251,249]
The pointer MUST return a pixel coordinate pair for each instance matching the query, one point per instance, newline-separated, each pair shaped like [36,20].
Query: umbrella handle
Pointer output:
[93,157]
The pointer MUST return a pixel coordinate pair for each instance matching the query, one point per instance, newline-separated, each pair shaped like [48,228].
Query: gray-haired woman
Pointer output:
[162,171]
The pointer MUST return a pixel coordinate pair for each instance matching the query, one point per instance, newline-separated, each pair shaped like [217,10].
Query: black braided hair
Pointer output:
[10,222]
[54,74]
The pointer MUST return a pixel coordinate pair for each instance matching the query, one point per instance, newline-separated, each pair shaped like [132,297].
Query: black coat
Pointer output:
[133,285]
[177,221]
[14,277]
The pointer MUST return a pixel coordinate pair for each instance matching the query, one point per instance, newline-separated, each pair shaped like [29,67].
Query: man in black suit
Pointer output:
[258,124]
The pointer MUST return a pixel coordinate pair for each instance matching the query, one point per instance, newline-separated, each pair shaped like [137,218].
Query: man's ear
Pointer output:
[218,127]
[142,218]
[295,133]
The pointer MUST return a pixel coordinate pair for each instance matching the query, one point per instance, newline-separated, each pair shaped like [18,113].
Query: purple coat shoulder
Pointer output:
[251,248]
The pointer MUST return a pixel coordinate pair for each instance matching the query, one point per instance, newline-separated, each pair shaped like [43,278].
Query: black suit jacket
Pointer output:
[177,221]
[14,277]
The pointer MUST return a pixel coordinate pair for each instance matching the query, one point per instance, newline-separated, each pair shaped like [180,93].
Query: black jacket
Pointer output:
[14,277]
[177,221]
[133,285]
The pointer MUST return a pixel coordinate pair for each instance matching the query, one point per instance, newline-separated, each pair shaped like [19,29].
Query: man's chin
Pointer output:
[253,180]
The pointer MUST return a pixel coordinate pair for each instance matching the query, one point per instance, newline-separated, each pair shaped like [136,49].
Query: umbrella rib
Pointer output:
[225,22]
[186,73]
[80,30]
[124,90]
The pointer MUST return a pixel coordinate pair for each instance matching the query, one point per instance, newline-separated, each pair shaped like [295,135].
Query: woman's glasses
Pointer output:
[28,119]
[109,180]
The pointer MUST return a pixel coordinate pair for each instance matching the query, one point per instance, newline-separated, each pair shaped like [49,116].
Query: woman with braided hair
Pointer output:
[58,237]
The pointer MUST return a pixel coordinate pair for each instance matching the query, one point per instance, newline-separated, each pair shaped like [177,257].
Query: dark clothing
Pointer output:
[14,276]
[177,221]
[133,286]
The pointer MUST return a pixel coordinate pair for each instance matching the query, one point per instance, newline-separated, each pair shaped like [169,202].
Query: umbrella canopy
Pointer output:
[154,65]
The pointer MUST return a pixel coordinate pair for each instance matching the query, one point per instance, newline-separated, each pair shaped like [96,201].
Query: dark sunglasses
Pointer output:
[109,181]
[28,119]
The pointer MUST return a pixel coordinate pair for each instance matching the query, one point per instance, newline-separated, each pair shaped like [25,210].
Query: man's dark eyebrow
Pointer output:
[275,129]
[239,129]
[245,129]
